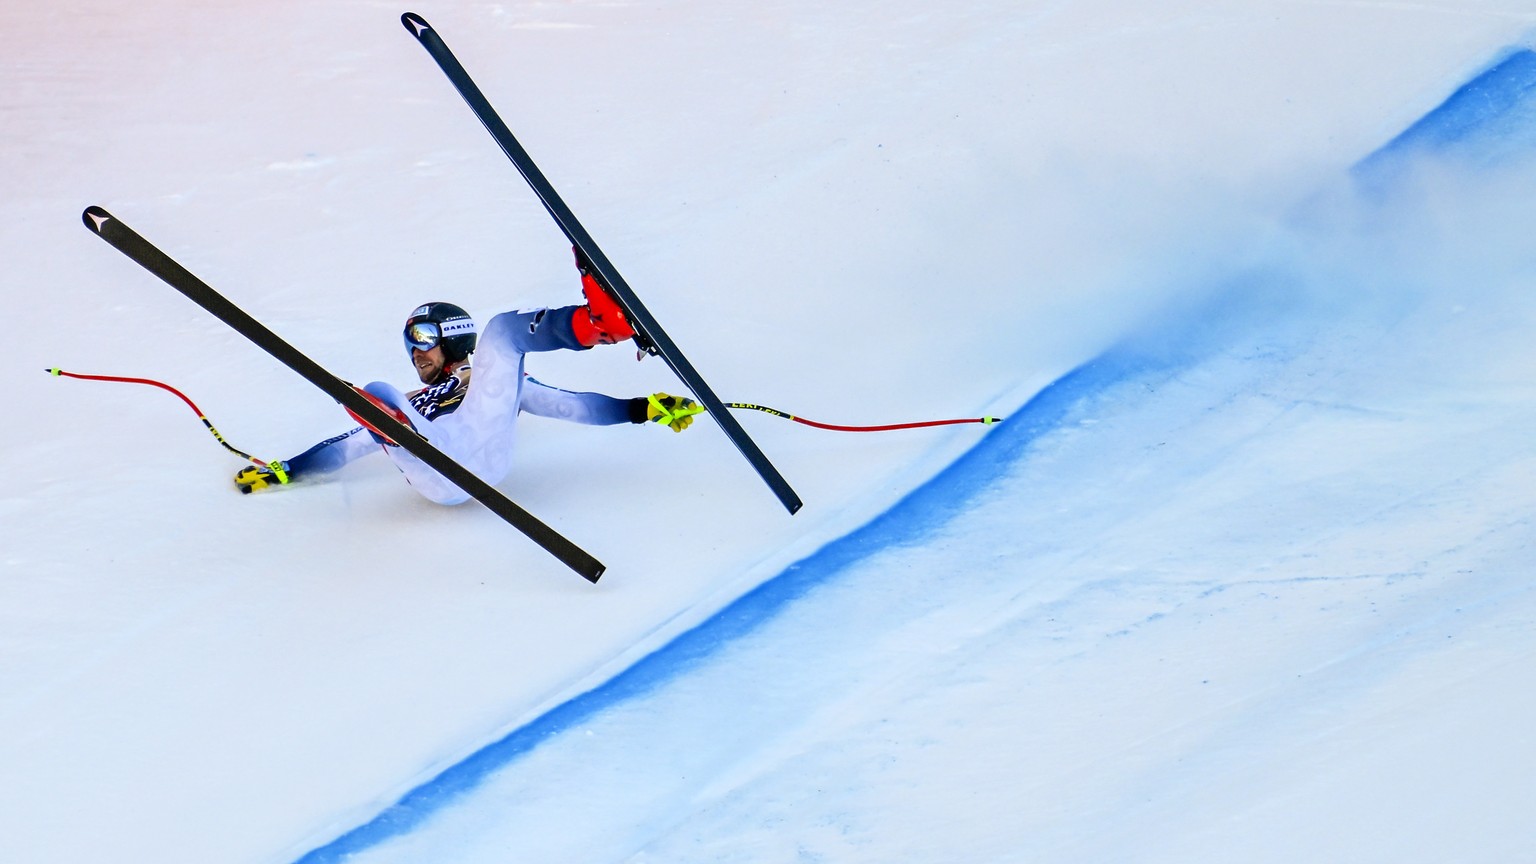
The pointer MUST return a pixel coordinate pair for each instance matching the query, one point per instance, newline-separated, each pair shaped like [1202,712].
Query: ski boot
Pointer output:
[602,320]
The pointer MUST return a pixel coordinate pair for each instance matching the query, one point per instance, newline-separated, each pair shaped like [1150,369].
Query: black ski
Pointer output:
[123,238]
[651,337]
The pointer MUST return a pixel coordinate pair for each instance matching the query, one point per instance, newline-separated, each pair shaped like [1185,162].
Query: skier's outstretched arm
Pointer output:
[595,409]
[323,458]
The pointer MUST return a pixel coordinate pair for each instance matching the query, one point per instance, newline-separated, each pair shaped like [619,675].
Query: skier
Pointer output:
[475,425]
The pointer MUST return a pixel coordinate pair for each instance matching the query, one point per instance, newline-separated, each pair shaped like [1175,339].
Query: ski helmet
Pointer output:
[443,324]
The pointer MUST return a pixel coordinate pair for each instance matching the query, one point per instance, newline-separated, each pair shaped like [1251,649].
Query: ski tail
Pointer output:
[148,256]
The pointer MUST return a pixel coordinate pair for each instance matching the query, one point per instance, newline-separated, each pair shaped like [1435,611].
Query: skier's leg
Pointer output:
[573,328]
[527,331]
[432,485]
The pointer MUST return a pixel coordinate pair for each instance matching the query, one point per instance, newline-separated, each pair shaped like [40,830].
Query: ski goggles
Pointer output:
[426,335]
[422,335]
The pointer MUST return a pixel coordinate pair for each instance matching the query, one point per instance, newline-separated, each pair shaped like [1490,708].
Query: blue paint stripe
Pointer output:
[910,521]
[1490,118]
[1498,105]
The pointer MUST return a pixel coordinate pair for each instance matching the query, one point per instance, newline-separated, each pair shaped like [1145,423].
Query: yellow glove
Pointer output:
[673,411]
[252,478]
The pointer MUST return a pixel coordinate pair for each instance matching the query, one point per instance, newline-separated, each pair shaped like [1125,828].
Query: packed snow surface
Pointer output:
[1244,574]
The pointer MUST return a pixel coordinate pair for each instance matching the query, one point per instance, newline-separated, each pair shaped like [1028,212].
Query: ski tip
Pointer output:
[415,23]
[94,218]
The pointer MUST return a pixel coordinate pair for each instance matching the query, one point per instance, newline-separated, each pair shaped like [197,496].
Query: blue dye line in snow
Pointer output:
[1493,114]
[908,522]
[1487,120]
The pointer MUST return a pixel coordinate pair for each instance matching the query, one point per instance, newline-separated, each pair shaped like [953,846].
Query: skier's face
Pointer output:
[429,364]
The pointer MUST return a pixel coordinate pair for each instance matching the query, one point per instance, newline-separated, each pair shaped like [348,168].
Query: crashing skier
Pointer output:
[475,425]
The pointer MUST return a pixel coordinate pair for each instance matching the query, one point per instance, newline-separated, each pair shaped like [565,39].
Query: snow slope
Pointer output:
[976,201]
[1274,608]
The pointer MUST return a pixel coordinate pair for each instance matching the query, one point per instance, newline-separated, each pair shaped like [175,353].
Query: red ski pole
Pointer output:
[60,373]
[748,406]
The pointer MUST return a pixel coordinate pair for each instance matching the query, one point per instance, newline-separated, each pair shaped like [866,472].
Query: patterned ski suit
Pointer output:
[476,426]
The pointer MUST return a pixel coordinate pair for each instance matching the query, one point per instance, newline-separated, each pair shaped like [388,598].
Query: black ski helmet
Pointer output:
[441,324]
